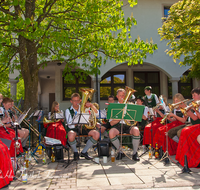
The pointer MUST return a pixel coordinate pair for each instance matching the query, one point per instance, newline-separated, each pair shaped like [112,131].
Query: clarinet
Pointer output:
[11,122]
[1,123]
[13,115]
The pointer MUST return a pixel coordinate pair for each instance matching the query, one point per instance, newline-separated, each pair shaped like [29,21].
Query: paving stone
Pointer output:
[122,174]
[92,182]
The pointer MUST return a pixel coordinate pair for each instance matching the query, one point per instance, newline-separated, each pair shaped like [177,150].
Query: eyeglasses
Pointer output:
[75,100]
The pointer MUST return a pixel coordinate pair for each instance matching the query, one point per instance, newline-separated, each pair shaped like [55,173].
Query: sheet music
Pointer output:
[80,119]
[102,114]
[151,111]
[21,117]
[51,141]
[59,115]
[37,113]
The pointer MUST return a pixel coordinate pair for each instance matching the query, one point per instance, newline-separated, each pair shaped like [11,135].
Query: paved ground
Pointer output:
[124,174]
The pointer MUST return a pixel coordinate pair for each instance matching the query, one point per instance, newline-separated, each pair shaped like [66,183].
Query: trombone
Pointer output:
[27,123]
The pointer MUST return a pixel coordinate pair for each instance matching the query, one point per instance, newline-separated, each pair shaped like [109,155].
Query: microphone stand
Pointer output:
[32,154]
[122,124]
[15,158]
[39,128]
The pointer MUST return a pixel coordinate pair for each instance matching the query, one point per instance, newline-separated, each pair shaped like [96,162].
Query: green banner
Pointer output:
[125,111]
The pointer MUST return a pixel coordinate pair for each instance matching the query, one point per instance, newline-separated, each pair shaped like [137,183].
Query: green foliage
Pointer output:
[4,83]
[20,89]
[182,30]
[34,33]
[70,30]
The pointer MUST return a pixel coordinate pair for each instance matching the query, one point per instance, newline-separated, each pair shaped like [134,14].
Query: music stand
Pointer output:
[39,114]
[102,115]
[151,114]
[129,112]
[31,115]
[15,124]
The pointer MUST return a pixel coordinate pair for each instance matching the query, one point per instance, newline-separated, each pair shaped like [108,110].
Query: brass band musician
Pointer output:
[55,128]
[9,126]
[23,132]
[116,130]
[74,130]
[189,137]
[151,100]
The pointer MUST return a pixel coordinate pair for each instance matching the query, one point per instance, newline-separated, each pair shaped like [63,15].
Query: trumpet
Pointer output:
[26,122]
[164,119]
[129,92]
[173,106]
[157,106]
[194,105]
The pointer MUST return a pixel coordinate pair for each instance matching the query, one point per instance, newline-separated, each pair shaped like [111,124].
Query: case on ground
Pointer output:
[103,148]
[58,149]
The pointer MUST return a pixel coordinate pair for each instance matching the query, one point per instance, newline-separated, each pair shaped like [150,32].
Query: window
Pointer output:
[169,89]
[166,10]
[166,14]
[143,79]
[184,86]
[70,87]
[110,83]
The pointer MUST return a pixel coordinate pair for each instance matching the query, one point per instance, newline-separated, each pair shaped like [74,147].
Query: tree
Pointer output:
[182,30]
[5,86]
[34,33]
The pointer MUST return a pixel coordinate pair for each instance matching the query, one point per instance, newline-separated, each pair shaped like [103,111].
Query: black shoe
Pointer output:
[136,157]
[86,156]
[76,156]
[120,156]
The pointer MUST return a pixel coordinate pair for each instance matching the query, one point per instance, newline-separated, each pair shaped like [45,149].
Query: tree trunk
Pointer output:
[29,71]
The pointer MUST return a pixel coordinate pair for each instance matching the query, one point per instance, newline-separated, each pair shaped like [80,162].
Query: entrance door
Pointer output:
[51,100]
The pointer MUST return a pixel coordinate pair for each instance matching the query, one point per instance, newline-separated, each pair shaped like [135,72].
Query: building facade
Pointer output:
[158,70]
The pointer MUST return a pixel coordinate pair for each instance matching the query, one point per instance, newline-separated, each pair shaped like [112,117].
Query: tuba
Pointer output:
[52,118]
[129,92]
[87,95]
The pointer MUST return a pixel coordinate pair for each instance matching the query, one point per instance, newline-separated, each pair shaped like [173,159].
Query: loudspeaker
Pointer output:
[58,149]
[103,148]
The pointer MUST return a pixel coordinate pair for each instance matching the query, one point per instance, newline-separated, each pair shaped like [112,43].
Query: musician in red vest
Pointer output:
[6,168]
[8,131]
[189,136]
[56,129]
